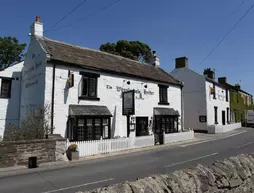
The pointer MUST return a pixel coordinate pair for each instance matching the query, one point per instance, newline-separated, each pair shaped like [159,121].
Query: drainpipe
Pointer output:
[182,108]
[53,99]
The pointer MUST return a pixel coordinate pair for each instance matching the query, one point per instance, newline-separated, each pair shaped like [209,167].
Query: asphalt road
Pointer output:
[96,173]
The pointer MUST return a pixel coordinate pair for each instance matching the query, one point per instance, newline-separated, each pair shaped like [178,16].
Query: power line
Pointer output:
[227,34]
[87,16]
[64,17]
[214,34]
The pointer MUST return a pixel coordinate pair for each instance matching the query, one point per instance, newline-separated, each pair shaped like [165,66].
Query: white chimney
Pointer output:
[155,60]
[36,28]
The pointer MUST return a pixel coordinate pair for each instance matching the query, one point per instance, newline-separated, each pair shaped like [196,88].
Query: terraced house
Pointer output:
[241,101]
[84,89]
[206,101]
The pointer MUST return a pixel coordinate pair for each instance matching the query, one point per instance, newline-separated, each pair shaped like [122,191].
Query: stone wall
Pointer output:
[18,152]
[233,175]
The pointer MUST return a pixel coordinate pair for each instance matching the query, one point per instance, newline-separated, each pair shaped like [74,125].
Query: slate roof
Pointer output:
[165,111]
[102,61]
[214,81]
[88,110]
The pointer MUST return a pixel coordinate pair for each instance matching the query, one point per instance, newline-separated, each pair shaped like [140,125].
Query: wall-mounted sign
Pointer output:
[202,119]
[128,104]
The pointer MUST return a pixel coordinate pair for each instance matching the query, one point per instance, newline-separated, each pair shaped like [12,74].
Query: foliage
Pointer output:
[134,50]
[73,147]
[10,50]
[31,127]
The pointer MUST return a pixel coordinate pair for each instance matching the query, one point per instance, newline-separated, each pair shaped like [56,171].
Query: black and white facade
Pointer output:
[84,89]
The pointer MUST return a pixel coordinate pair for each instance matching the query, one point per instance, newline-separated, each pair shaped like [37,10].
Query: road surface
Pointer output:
[107,171]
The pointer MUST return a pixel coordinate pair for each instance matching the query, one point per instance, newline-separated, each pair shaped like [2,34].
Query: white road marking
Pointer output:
[244,145]
[78,186]
[205,141]
[190,160]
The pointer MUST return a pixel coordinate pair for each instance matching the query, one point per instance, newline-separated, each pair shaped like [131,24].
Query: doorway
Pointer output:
[142,126]
[223,117]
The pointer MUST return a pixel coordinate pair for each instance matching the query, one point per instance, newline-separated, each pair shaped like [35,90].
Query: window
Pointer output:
[227,115]
[87,129]
[5,84]
[215,115]
[169,124]
[163,93]
[227,95]
[237,97]
[214,91]
[88,86]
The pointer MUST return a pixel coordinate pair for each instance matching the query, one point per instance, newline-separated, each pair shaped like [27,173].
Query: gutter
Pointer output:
[182,108]
[53,99]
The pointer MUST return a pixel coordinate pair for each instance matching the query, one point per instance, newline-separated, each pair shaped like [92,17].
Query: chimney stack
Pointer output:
[181,62]
[155,60]
[237,86]
[36,28]
[209,73]
[222,80]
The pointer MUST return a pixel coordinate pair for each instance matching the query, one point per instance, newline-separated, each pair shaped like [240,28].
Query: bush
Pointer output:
[30,127]
[73,147]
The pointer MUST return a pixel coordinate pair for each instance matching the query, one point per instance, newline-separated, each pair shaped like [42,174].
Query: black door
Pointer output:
[159,129]
[142,126]
[223,118]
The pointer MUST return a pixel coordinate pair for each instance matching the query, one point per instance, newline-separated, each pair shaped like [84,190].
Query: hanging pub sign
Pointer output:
[128,104]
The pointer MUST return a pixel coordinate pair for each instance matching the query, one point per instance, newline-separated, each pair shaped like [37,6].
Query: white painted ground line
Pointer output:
[190,160]
[78,186]
[213,139]
[246,144]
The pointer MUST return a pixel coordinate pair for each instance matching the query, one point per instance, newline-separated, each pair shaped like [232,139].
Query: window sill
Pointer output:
[1,97]
[163,103]
[89,98]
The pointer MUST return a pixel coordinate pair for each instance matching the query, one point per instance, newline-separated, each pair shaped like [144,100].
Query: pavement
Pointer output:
[93,173]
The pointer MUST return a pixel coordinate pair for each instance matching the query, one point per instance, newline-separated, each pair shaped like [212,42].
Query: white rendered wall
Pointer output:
[109,92]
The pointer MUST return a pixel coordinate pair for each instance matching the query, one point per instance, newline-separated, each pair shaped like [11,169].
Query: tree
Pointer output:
[134,50]
[31,127]
[10,51]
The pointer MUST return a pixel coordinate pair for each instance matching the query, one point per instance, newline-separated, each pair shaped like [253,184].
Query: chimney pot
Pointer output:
[181,62]
[36,28]
[209,73]
[38,19]
[155,60]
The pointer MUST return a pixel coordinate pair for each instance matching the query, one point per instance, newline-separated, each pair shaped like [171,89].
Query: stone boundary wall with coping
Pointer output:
[232,175]
[14,153]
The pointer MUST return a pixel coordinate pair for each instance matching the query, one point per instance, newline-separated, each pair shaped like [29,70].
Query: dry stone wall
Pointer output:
[233,175]
[18,152]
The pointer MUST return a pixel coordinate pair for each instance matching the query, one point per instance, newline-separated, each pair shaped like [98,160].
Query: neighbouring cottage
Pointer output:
[206,101]
[84,89]
[10,84]
[240,101]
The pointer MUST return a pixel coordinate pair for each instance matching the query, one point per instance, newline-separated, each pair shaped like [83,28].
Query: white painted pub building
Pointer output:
[84,90]
[206,101]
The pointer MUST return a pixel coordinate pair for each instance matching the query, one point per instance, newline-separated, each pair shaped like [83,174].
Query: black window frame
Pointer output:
[216,115]
[227,95]
[81,133]
[227,115]
[89,77]
[8,95]
[169,126]
[163,90]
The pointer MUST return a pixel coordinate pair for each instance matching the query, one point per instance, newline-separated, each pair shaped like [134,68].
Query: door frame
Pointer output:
[137,119]
[223,117]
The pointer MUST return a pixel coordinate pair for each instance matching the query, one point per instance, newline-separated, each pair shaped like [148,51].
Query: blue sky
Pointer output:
[173,28]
